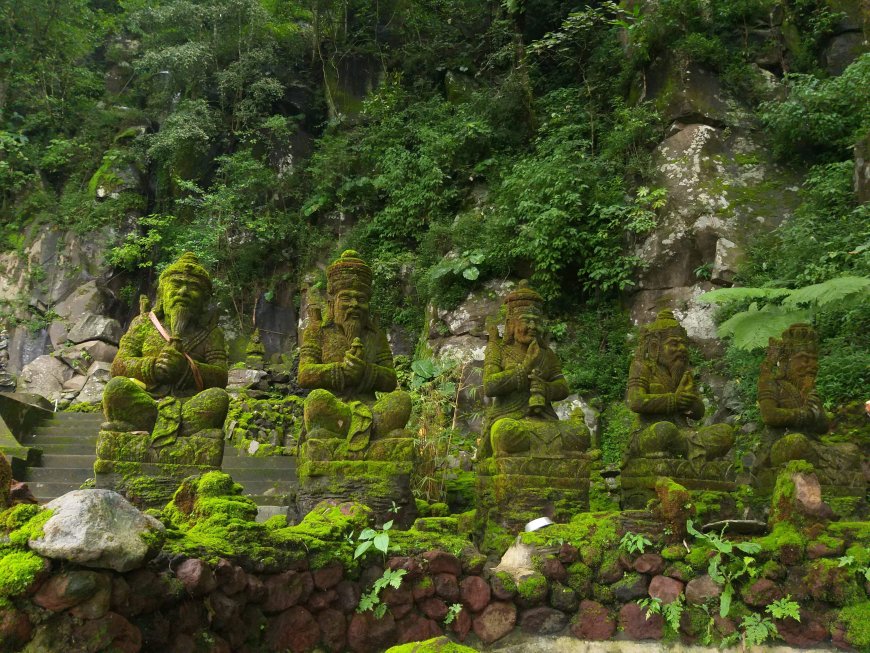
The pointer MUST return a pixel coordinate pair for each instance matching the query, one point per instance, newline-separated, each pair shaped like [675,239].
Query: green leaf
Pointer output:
[829,291]
[690,527]
[725,600]
[367,534]
[424,367]
[361,548]
[388,525]
[725,295]
[748,547]
[753,329]
[382,542]
[396,578]
[471,273]
[477,258]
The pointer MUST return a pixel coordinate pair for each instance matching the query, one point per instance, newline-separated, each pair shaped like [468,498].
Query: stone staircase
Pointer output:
[68,443]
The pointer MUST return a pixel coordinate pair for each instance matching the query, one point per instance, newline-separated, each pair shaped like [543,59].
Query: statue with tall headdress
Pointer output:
[166,401]
[531,463]
[354,412]
[795,418]
[667,440]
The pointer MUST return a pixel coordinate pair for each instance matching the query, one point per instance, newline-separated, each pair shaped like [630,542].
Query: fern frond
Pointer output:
[829,291]
[753,328]
[725,295]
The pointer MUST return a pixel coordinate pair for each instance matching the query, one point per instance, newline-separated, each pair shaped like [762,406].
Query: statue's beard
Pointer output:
[179,319]
[353,328]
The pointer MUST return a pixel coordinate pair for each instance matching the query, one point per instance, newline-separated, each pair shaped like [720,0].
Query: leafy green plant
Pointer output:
[671,612]
[849,561]
[371,600]
[453,611]
[782,307]
[464,265]
[634,543]
[370,537]
[726,566]
[755,629]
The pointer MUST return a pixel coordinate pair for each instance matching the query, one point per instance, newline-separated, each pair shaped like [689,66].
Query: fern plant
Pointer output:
[773,310]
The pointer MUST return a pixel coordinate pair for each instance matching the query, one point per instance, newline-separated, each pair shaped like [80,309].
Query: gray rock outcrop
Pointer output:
[98,529]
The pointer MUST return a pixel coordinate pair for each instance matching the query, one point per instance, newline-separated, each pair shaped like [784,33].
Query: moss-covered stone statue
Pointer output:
[666,440]
[355,438]
[166,401]
[795,419]
[531,463]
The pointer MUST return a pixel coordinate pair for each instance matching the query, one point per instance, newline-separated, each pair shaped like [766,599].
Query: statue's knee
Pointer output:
[794,446]
[323,410]
[661,437]
[509,436]
[718,439]
[127,403]
[392,411]
[208,409]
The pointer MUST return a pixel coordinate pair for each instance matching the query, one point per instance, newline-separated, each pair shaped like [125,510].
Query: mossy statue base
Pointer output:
[513,490]
[640,475]
[384,486]
[145,485]
[837,466]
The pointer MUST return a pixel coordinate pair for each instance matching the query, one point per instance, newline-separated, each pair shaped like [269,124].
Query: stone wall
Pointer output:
[178,604]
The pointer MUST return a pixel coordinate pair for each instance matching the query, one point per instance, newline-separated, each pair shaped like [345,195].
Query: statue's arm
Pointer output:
[313,373]
[777,416]
[129,360]
[641,400]
[556,384]
[213,366]
[380,374]
[498,381]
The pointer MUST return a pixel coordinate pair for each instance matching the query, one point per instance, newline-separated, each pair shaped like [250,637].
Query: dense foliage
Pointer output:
[454,142]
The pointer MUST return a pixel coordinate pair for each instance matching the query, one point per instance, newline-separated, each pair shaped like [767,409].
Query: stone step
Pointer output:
[246,478]
[75,448]
[268,486]
[272,462]
[76,417]
[44,491]
[60,438]
[59,475]
[269,500]
[80,461]
[64,429]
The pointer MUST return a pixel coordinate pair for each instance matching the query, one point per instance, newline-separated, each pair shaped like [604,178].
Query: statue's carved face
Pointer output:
[674,352]
[351,305]
[527,327]
[802,366]
[183,292]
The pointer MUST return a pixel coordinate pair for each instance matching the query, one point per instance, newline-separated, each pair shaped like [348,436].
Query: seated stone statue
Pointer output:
[531,464]
[794,414]
[524,377]
[662,392]
[346,359]
[166,400]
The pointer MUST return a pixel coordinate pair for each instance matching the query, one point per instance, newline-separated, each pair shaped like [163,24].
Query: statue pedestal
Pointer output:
[639,477]
[148,477]
[378,477]
[513,490]
[837,466]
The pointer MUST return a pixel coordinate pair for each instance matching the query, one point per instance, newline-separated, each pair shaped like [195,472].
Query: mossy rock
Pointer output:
[436,645]
[855,620]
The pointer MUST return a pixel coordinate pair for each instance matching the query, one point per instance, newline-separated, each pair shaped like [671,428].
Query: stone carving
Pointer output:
[795,416]
[345,360]
[530,461]
[663,394]
[166,401]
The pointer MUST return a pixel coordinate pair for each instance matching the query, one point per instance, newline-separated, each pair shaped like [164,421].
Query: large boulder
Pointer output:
[96,528]
[45,376]
[87,299]
[96,327]
[98,376]
[722,192]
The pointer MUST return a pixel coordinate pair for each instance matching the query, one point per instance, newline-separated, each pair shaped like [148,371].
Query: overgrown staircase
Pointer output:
[68,442]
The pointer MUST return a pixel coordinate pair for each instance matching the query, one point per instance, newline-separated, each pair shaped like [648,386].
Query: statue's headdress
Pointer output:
[654,334]
[522,298]
[348,272]
[188,266]
[799,338]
